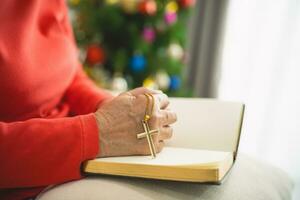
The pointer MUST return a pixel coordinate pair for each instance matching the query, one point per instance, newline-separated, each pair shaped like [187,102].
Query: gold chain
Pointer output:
[149,109]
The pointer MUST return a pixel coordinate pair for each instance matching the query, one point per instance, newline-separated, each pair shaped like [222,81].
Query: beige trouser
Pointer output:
[248,180]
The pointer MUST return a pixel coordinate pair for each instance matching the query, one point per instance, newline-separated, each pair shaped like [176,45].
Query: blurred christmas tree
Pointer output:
[129,43]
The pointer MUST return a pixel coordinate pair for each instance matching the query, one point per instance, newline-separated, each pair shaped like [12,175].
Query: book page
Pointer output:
[171,156]
[206,124]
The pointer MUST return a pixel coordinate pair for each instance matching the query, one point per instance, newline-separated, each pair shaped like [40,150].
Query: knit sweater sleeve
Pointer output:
[40,152]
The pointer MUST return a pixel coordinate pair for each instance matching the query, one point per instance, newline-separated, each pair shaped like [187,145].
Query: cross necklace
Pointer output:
[147,132]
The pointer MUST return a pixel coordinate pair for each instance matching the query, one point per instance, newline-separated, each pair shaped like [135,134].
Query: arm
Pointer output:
[83,95]
[40,152]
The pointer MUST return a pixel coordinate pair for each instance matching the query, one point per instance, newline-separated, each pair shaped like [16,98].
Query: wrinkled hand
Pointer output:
[119,121]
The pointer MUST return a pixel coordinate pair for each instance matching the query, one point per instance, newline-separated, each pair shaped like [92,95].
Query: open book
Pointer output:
[203,147]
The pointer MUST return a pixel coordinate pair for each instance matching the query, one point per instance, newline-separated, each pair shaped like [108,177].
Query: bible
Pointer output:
[203,148]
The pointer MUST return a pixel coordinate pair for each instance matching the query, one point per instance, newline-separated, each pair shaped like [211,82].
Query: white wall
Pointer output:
[261,66]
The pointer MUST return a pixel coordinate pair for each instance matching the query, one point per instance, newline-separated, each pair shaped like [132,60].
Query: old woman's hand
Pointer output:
[120,120]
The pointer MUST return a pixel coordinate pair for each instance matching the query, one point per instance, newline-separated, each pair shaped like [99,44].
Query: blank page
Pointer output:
[206,124]
[171,156]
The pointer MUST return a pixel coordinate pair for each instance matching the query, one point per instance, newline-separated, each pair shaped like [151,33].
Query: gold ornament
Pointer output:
[150,83]
[129,6]
[172,6]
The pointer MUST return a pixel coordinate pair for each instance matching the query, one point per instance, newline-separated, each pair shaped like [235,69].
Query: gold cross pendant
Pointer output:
[148,134]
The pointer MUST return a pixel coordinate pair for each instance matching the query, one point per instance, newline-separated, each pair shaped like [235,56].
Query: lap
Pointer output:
[249,179]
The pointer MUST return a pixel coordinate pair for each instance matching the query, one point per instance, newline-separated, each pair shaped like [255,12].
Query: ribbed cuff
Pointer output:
[90,137]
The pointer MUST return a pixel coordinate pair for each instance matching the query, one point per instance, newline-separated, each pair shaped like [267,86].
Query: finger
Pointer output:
[162,100]
[168,117]
[165,133]
[143,90]
[160,145]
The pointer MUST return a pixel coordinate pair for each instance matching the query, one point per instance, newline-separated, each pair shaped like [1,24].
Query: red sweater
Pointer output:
[41,82]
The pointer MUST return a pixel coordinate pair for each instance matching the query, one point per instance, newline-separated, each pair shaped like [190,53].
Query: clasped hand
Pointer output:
[119,122]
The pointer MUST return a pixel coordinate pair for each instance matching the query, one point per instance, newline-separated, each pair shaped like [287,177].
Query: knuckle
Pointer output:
[164,118]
